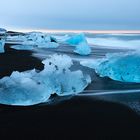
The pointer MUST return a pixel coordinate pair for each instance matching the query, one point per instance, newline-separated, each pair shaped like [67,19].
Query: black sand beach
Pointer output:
[76,118]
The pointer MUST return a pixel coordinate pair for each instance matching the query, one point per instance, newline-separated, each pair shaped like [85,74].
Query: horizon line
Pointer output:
[79,31]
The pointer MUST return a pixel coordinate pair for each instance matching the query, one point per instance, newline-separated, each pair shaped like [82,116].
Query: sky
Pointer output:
[70,14]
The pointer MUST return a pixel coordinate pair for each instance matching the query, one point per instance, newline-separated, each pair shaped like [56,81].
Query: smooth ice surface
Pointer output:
[31,87]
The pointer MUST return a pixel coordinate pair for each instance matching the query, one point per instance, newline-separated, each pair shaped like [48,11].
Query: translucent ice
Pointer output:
[76,39]
[36,39]
[80,43]
[121,67]
[2,39]
[30,87]
[2,42]
[83,49]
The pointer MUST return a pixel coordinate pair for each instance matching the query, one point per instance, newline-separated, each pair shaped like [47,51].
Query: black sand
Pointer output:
[76,118]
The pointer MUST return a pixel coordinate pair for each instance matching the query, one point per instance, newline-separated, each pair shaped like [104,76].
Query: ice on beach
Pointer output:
[36,39]
[31,87]
[2,39]
[76,39]
[80,43]
[2,43]
[42,40]
[2,31]
[83,49]
[123,67]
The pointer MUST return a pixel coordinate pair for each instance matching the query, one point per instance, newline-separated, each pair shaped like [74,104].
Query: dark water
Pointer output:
[106,109]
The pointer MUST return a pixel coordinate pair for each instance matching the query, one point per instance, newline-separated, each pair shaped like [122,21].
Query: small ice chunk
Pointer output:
[83,49]
[2,31]
[2,43]
[30,87]
[2,39]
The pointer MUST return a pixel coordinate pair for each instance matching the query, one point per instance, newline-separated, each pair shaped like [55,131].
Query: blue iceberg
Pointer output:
[80,43]
[31,87]
[124,67]
[76,39]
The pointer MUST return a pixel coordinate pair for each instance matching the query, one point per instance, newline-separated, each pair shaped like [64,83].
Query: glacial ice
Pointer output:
[83,49]
[2,31]
[42,40]
[80,43]
[76,39]
[124,67]
[2,39]
[36,39]
[31,87]
[2,43]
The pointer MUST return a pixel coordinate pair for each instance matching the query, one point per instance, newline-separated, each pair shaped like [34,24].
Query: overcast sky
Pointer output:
[70,14]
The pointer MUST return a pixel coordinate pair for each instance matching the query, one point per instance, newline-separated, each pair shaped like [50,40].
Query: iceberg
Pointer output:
[122,67]
[80,43]
[32,87]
